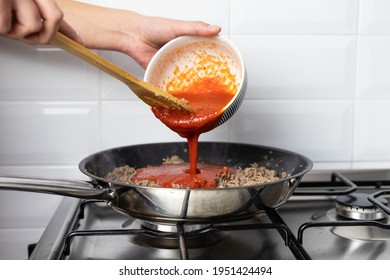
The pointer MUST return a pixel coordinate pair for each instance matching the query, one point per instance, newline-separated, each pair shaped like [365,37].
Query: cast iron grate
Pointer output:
[340,181]
[338,185]
[182,235]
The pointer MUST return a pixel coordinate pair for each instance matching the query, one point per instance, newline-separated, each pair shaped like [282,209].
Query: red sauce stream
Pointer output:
[207,96]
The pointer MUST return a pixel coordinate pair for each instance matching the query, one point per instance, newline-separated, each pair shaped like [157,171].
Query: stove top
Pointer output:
[329,219]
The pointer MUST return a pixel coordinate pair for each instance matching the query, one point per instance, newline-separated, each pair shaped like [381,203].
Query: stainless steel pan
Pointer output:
[172,205]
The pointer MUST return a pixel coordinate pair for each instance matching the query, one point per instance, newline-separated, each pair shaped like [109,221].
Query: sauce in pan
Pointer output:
[170,175]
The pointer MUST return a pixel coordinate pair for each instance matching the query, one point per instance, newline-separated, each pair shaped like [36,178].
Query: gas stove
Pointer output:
[339,217]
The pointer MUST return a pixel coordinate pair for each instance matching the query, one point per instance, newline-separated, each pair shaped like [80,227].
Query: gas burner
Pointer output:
[165,235]
[355,232]
[170,228]
[356,206]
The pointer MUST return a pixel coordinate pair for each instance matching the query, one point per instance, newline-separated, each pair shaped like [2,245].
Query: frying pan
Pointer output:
[169,205]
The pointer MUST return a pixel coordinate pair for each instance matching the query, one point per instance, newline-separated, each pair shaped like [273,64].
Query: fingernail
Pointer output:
[79,38]
[214,27]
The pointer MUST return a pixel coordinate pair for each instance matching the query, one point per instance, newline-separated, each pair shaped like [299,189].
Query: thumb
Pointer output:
[198,28]
[69,31]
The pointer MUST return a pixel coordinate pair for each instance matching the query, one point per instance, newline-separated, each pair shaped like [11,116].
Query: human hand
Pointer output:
[32,21]
[154,32]
[126,31]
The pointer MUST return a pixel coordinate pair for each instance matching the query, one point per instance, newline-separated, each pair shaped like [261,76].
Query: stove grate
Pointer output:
[182,235]
[338,185]
[339,180]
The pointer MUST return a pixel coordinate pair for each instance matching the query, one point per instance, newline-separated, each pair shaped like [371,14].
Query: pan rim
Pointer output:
[305,159]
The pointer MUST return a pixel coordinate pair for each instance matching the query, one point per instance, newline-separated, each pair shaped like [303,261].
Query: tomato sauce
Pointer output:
[207,96]
[168,175]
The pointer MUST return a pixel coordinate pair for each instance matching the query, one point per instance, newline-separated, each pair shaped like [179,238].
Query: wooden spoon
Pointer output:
[150,94]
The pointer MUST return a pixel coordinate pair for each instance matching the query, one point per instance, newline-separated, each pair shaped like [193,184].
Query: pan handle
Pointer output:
[78,189]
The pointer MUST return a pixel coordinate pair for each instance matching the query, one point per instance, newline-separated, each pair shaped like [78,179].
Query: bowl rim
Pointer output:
[192,38]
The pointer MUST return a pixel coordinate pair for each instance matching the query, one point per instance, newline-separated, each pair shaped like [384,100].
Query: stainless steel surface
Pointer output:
[356,206]
[51,243]
[203,205]
[78,189]
[255,244]
[336,242]
[311,218]
[178,204]
[168,204]
[359,213]
[165,227]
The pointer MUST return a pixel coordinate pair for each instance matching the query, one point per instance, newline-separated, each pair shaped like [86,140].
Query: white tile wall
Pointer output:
[299,67]
[371,137]
[44,73]
[374,17]
[50,133]
[318,84]
[296,17]
[373,67]
[290,124]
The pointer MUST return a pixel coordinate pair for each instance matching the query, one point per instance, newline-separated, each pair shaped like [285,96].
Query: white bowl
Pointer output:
[199,56]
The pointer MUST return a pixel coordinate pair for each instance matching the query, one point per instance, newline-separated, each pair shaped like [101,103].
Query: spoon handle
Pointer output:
[92,58]
[150,94]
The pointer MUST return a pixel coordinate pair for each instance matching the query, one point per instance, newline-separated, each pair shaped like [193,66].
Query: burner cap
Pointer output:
[357,206]
[171,227]
[198,237]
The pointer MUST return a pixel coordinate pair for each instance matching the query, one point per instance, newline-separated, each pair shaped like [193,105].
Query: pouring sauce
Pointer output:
[207,95]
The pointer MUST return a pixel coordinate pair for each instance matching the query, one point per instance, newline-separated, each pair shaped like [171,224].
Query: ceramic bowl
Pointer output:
[187,58]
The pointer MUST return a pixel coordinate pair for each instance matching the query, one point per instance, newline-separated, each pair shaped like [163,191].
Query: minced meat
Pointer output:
[228,177]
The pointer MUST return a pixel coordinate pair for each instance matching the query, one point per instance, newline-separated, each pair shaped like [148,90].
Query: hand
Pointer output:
[128,32]
[154,32]
[37,21]
[32,21]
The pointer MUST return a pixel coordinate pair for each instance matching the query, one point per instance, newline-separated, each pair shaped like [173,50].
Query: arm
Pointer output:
[137,35]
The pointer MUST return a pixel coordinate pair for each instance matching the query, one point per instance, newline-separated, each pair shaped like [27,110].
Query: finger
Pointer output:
[68,30]
[26,19]
[5,17]
[51,16]
[198,28]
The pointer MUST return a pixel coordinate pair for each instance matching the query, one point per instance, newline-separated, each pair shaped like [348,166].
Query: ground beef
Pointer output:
[172,160]
[121,174]
[229,177]
[248,176]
